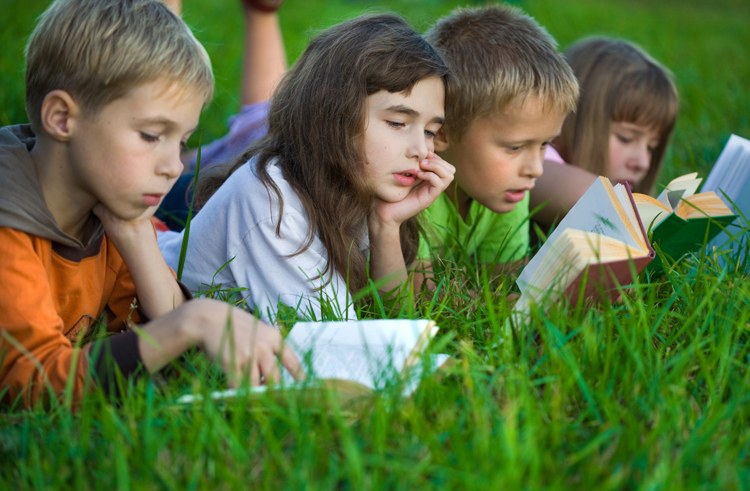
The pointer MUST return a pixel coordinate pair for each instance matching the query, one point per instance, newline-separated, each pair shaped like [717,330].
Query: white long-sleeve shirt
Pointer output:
[233,244]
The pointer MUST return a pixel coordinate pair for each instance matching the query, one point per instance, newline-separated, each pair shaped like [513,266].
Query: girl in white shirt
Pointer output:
[327,200]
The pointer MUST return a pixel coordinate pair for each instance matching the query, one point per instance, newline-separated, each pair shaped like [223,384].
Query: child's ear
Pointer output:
[58,114]
[441,141]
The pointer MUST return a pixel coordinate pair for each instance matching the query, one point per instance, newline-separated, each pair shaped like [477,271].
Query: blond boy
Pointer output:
[509,93]
[114,88]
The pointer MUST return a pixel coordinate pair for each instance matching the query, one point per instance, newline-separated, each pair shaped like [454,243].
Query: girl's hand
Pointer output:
[435,174]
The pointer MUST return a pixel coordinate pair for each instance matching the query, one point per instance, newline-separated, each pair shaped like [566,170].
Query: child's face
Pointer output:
[631,147]
[127,156]
[399,132]
[499,157]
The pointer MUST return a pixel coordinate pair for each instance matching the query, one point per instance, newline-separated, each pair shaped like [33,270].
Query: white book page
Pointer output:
[731,174]
[680,187]
[360,351]
[730,180]
[594,212]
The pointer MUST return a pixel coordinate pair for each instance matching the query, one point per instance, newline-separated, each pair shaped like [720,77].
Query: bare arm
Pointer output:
[157,290]
[264,58]
[558,189]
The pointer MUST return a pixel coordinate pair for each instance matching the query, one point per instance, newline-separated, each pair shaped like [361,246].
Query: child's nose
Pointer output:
[533,165]
[640,158]
[171,166]
[420,146]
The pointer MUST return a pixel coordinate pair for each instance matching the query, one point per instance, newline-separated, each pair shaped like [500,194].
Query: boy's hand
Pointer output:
[435,174]
[125,232]
[243,345]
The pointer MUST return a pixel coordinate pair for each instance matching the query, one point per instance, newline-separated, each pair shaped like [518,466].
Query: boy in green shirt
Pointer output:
[509,93]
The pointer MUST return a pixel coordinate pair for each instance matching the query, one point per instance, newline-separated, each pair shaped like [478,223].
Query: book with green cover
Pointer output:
[681,221]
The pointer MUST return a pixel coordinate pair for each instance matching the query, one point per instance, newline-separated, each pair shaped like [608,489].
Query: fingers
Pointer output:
[435,163]
[291,362]
[254,354]
[254,374]
[436,171]
[269,369]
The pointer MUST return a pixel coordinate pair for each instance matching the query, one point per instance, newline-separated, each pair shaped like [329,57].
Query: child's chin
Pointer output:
[505,208]
[392,197]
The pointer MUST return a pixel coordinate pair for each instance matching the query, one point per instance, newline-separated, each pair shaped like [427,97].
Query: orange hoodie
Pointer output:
[54,288]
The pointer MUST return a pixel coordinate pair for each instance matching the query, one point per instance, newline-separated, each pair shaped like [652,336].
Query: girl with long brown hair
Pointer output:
[328,199]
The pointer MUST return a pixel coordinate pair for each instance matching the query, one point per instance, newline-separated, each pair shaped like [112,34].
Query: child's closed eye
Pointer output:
[395,124]
[148,137]
[623,138]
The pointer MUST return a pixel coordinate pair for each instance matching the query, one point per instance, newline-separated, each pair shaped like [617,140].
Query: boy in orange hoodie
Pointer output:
[114,88]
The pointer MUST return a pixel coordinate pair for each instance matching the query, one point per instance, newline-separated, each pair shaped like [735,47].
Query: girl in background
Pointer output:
[328,199]
[626,113]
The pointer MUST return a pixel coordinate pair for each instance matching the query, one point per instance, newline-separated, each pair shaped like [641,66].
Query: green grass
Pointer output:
[649,393]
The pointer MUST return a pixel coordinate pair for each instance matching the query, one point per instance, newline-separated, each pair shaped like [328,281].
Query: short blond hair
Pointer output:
[498,56]
[99,50]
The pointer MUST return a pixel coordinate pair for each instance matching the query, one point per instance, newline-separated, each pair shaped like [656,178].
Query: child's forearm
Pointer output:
[387,265]
[155,286]
[557,190]
[157,289]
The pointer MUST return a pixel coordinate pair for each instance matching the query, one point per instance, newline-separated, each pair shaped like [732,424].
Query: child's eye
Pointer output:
[183,146]
[623,138]
[430,134]
[147,137]
[395,124]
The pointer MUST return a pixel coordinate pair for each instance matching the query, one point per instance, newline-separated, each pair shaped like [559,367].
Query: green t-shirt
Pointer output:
[488,236]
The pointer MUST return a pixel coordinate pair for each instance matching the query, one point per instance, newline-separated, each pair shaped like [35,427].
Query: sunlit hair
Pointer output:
[316,128]
[499,56]
[620,83]
[99,50]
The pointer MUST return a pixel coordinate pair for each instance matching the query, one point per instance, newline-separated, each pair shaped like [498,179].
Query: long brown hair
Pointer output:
[316,125]
[619,83]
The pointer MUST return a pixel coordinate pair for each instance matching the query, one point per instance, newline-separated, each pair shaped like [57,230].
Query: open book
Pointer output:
[730,178]
[357,356]
[369,353]
[680,220]
[599,244]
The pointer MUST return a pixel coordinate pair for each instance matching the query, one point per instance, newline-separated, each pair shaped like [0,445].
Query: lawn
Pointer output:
[652,392]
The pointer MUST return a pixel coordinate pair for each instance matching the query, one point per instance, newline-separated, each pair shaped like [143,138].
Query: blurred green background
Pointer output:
[705,44]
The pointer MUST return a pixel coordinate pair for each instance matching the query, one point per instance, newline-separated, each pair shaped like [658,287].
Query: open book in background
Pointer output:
[730,178]
[680,220]
[600,242]
[355,357]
